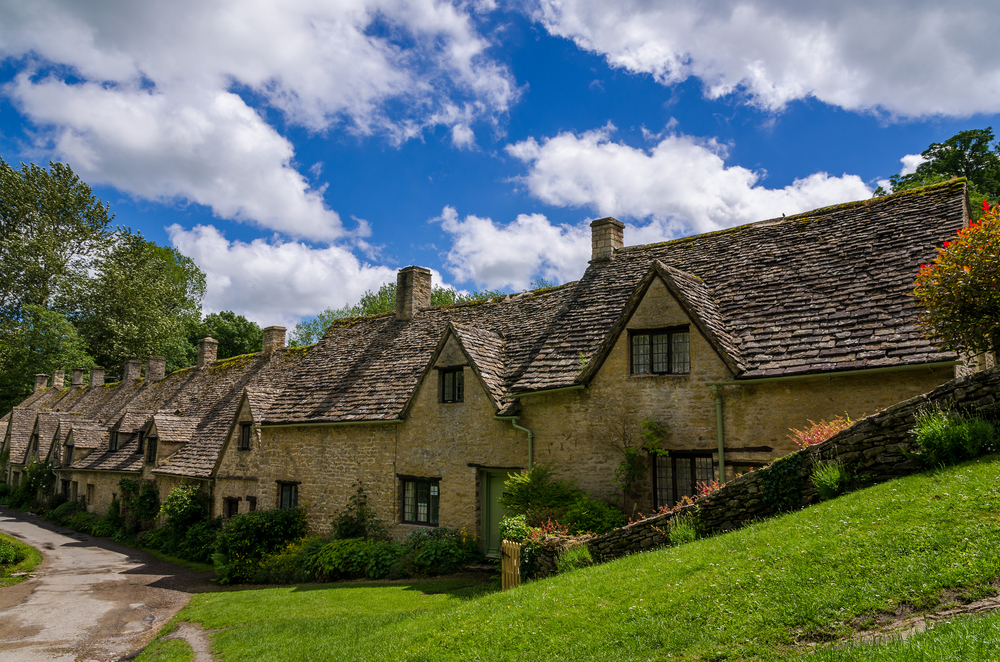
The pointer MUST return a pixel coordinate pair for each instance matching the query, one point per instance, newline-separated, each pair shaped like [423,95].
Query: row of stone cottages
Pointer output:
[729,338]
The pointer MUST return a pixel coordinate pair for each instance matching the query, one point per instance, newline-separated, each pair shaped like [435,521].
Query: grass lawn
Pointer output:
[754,594]
[32,557]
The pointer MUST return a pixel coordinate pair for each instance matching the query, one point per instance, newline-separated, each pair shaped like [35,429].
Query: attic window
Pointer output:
[453,385]
[113,444]
[245,429]
[141,444]
[151,449]
[661,352]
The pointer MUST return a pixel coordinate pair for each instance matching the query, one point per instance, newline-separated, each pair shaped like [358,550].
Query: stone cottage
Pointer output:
[728,338]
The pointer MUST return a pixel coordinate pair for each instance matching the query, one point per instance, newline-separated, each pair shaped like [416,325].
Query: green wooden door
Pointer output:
[493,512]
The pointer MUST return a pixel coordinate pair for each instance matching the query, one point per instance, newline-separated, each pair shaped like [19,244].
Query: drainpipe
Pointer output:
[719,433]
[531,436]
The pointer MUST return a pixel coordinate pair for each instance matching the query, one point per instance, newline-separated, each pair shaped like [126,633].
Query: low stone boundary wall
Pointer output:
[873,448]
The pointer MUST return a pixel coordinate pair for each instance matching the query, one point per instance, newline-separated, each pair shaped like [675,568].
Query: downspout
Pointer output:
[719,433]
[531,436]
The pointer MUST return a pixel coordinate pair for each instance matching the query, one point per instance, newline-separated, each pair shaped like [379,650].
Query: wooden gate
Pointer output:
[510,564]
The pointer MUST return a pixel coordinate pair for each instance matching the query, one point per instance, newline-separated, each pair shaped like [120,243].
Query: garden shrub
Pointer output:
[292,564]
[185,506]
[383,557]
[819,432]
[342,559]
[55,501]
[60,514]
[140,504]
[946,437]
[592,516]
[358,520]
[83,521]
[781,484]
[514,528]
[542,497]
[9,554]
[246,539]
[830,478]
[110,524]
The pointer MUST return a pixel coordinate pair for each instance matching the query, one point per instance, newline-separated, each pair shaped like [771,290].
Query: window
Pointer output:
[141,444]
[33,444]
[421,501]
[69,455]
[288,495]
[245,430]
[231,507]
[90,494]
[678,475]
[251,503]
[661,352]
[113,444]
[453,385]
[74,491]
[65,489]
[151,449]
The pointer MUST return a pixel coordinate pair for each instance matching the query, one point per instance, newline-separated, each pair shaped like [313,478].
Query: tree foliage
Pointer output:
[971,154]
[236,334]
[960,289]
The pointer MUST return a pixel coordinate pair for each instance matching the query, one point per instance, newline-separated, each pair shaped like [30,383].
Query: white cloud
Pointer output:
[276,282]
[496,256]
[462,137]
[910,163]
[913,58]
[145,95]
[682,184]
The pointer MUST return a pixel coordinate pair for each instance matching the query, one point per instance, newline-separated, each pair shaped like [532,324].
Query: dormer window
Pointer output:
[151,449]
[141,443]
[453,385]
[113,444]
[245,436]
[661,352]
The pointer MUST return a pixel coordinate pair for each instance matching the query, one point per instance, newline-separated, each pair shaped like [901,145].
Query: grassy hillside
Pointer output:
[763,592]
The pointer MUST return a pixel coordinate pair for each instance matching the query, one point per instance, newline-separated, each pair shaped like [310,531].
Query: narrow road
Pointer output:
[89,599]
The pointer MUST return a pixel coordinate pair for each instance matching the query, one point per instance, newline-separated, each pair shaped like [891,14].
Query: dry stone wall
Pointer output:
[874,449]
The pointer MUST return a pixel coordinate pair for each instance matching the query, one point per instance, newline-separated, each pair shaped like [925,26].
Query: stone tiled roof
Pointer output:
[124,459]
[175,429]
[20,427]
[90,435]
[823,291]
[49,424]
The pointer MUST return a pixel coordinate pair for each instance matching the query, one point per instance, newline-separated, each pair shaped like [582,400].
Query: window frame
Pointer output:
[140,446]
[231,502]
[113,441]
[151,444]
[672,458]
[433,503]
[458,386]
[293,490]
[245,441]
[670,332]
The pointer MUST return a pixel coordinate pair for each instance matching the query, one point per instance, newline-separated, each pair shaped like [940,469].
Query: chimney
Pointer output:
[96,376]
[41,380]
[156,368]
[133,370]
[606,236]
[207,349]
[77,379]
[59,379]
[274,339]
[413,291]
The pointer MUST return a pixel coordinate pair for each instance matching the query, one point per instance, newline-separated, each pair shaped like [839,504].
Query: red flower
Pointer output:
[986,206]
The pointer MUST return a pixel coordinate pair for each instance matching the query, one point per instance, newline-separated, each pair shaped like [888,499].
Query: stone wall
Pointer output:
[875,447]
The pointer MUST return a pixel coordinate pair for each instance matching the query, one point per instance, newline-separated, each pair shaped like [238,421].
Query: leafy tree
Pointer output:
[142,299]
[236,334]
[43,341]
[51,229]
[310,331]
[960,289]
[971,154]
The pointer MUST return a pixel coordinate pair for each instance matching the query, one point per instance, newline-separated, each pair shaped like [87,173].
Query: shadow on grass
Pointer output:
[463,587]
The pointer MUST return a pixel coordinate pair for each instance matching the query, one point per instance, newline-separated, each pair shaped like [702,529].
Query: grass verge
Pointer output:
[167,650]
[760,593]
[190,565]
[32,557]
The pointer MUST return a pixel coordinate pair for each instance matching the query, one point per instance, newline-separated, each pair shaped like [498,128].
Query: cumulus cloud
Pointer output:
[147,96]
[682,184]
[910,163]
[914,58]
[275,281]
[498,256]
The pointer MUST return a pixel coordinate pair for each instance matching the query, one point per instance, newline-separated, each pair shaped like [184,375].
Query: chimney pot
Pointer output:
[133,370]
[41,380]
[77,379]
[606,236]
[96,376]
[156,368]
[59,379]
[274,339]
[207,350]
[413,291]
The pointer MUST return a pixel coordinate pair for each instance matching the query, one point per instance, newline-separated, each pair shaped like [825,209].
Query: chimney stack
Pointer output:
[274,339]
[606,236]
[207,350]
[156,368]
[59,379]
[77,379]
[413,291]
[96,376]
[41,380]
[133,370]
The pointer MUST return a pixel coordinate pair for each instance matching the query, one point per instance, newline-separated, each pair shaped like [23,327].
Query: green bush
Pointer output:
[358,520]
[514,528]
[292,564]
[110,524]
[185,506]
[83,521]
[9,554]
[55,501]
[342,559]
[830,478]
[140,504]
[62,513]
[683,529]
[246,539]
[572,558]
[440,550]
[592,516]
[947,437]
[541,497]
[382,558]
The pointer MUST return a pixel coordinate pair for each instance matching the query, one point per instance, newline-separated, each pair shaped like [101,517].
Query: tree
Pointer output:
[141,302]
[968,154]
[960,289]
[236,334]
[311,330]
[43,341]
[51,229]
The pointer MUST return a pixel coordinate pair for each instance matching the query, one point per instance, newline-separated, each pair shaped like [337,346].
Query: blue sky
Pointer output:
[300,152]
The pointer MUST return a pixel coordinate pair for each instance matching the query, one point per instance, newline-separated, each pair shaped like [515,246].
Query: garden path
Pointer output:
[89,599]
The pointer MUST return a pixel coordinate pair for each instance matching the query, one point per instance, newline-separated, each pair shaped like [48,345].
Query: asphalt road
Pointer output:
[89,599]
